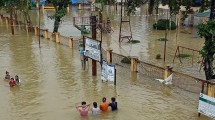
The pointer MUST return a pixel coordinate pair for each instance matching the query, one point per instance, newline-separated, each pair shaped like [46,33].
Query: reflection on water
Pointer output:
[53,83]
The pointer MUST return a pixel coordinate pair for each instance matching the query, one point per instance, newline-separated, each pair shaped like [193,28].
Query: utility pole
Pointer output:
[93,23]
[11,17]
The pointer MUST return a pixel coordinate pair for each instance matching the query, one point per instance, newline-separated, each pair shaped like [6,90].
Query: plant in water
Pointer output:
[134,41]
[126,60]
[162,39]
[183,56]
[163,24]
[158,56]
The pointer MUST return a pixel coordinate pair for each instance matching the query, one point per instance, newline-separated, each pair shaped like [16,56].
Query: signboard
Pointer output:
[206,105]
[93,49]
[108,71]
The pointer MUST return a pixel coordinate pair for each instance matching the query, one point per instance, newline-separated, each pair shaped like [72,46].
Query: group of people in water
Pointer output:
[84,108]
[12,81]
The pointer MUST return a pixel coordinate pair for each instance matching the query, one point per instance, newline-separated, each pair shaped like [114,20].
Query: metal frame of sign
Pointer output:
[84,41]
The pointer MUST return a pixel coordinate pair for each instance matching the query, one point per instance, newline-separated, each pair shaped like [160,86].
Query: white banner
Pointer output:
[206,105]
[111,72]
[104,70]
[92,49]
[108,71]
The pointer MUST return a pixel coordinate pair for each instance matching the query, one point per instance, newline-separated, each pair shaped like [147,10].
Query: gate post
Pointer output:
[134,60]
[70,42]
[109,55]
[46,33]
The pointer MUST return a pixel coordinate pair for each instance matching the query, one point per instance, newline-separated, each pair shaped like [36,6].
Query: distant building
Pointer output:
[42,2]
[81,1]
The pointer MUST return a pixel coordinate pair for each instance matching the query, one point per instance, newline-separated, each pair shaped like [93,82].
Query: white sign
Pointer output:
[206,105]
[111,72]
[92,49]
[104,70]
[108,71]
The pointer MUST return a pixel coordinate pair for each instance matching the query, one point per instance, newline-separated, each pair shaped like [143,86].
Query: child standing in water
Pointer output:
[12,82]
[113,104]
[83,109]
[17,79]
[104,105]
[95,109]
[7,76]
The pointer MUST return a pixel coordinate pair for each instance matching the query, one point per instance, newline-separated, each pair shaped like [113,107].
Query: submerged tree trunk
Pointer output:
[208,61]
[56,24]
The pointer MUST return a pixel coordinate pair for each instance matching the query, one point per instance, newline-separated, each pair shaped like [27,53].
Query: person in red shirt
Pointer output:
[12,82]
[104,105]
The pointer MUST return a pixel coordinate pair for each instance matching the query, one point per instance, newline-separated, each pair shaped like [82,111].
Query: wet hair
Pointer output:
[95,104]
[113,99]
[104,99]
[83,103]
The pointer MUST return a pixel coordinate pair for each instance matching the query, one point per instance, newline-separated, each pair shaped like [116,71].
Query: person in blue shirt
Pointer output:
[113,104]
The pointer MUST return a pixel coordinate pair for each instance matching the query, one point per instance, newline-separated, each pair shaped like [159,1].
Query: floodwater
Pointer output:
[53,83]
[142,30]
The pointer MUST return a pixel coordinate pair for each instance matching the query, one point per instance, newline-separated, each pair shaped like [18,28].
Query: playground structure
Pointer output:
[180,50]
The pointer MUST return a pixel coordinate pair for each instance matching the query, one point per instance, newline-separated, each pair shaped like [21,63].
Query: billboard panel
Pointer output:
[93,49]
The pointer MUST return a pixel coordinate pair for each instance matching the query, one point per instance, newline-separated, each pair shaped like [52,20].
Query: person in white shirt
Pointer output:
[95,109]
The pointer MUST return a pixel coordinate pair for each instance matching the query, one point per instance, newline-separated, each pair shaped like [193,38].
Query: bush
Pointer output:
[183,56]
[126,60]
[158,56]
[162,39]
[134,41]
[163,23]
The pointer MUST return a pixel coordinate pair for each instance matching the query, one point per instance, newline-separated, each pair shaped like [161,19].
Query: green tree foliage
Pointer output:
[133,4]
[60,11]
[17,5]
[208,50]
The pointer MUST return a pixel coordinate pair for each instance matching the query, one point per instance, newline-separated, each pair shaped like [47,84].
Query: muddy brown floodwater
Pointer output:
[53,82]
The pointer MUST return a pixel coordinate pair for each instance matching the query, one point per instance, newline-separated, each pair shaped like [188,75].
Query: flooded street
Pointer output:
[53,82]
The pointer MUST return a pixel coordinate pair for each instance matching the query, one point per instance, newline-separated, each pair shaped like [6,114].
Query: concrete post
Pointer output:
[79,6]
[211,90]
[134,60]
[67,8]
[43,9]
[1,19]
[26,27]
[70,42]
[46,33]
[35,31]
[109,55]
[7,21]
[19,24]
[57,37]
[167,72]
[37,5]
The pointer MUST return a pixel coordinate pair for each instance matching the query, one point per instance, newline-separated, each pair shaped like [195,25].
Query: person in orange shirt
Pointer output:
[104,105]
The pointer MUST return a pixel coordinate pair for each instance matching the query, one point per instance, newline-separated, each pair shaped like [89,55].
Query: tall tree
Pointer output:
[60,11]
